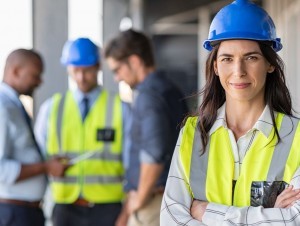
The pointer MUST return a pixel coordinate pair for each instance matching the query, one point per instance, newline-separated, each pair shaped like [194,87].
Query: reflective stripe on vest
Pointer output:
[89,179]
[98,178]
[98,154]
[210,175]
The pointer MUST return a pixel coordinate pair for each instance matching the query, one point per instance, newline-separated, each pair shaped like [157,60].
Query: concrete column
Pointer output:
[136,13]
[50,31]
[203,27]
[113,12]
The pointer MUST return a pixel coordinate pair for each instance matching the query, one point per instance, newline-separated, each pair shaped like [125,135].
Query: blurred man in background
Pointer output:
[157,111]
[23,171]
[84,125]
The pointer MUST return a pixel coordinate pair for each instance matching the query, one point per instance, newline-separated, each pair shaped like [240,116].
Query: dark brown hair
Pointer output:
[129,43]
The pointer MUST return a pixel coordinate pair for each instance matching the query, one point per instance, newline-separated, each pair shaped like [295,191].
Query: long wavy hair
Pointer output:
[277,95]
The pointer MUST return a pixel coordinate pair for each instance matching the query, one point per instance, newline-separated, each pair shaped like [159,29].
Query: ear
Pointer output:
[216,68]
[134,60]
[271,69]
[15,71]
[98,65]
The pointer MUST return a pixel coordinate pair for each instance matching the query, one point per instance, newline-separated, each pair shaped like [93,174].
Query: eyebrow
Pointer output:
[246,54]
[115,70]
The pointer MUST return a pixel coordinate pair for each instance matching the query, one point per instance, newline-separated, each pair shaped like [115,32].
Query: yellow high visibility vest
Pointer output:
[98,179]
[210,176]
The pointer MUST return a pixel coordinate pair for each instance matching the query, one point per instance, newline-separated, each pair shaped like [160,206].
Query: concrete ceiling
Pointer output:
[177,15]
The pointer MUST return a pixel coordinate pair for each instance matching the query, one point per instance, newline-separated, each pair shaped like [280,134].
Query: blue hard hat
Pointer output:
[80,52]
[242,19]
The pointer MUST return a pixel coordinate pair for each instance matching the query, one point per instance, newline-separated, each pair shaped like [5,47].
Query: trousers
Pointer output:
[17,215]
[97,215]
[149,214]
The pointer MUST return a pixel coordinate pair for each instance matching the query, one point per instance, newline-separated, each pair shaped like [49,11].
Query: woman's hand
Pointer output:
[287,198]
[198,209]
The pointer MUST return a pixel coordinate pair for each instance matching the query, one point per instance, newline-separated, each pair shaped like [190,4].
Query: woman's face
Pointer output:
[242,70]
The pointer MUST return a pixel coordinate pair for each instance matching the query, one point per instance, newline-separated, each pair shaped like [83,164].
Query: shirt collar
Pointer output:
[263,124]
[11,93]
[92,95]
[220,121]
[145,82]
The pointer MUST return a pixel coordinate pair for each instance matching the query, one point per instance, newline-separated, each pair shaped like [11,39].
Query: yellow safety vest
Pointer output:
[210,176]
[99,178]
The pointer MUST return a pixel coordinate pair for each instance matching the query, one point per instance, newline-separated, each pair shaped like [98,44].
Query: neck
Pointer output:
[242,117]
[144,72]
[10,83]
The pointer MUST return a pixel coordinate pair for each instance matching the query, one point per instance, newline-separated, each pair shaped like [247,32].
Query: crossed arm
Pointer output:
[179,208]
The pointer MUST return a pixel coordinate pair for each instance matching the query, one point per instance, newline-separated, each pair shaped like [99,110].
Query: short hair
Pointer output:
[20,56]
[130,42]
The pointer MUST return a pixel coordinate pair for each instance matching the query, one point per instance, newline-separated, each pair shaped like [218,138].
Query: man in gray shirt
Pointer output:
[23,171]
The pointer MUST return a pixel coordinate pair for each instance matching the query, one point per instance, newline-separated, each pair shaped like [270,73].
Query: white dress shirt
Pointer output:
[17,147]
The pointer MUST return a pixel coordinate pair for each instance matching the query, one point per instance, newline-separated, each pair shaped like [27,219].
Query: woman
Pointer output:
[237,162]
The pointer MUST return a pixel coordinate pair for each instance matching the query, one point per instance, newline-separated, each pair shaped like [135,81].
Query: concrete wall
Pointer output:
[113,12]
[286,16]
[50,31]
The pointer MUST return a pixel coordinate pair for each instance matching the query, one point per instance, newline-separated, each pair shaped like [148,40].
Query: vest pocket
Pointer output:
[264,193]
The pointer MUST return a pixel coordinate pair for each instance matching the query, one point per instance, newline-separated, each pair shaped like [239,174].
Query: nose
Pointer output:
[39,81]
[80,76]
[117,78]
[239,68]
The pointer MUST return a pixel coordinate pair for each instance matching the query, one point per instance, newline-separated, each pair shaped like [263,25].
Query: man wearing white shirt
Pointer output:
[22,179]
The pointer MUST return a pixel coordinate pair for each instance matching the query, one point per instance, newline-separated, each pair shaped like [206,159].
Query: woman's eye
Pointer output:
[251,58]
[226,59]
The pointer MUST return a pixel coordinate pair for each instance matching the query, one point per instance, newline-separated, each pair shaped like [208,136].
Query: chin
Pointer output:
[28,94]
[85,90]
[132,86]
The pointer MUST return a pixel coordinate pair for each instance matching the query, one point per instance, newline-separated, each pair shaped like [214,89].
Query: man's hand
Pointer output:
[57,166]
[198,209]
[287,198]
[133,202]
[123,216]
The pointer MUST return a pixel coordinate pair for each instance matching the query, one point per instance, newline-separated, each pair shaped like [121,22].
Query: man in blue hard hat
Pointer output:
[84,125]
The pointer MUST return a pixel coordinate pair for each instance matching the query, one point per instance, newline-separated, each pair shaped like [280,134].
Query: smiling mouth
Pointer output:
[240,85]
